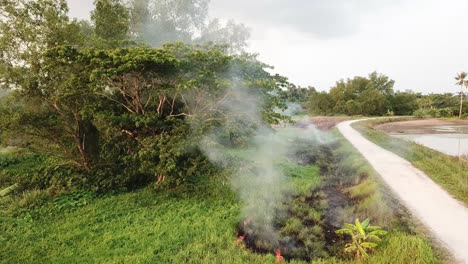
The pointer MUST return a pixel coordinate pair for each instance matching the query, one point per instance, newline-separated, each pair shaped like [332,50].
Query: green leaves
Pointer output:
[344,232]
[460,78]
[364,237]
[369,95]
[359,227]
[111,20]
[8,190]
[364,224]
[122,116]
[368,245]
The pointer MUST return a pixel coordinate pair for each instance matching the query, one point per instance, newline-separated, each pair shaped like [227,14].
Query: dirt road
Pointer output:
[444,216]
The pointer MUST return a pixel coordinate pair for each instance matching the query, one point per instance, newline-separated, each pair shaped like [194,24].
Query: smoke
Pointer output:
[293,109]
[257,176]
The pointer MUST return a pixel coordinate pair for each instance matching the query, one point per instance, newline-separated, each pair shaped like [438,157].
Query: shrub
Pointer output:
[364,237]
[423,113]
[445,112]
[433,112]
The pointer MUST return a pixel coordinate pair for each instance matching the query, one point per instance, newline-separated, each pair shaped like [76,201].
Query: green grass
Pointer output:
[449,172]
[193,224]
[362,184]
[400,248]
[14,163]
[404,244]
[303,178]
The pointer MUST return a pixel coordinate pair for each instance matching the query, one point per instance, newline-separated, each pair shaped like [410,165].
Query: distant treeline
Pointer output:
[373,95]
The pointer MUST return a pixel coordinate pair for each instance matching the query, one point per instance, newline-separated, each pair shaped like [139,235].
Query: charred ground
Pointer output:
[305,223]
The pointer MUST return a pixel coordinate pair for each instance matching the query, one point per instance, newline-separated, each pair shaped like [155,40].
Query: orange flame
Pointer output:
[240,240]
[279,258]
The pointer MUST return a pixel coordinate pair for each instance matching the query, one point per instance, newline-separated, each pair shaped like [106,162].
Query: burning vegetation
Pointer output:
[325,190]
[298,234]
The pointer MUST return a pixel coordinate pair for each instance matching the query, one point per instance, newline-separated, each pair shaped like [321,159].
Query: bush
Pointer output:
[433,112]
[445,112]
[424,113]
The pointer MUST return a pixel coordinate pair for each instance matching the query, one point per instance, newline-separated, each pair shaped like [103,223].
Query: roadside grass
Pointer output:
[361,183]
[405,242]
[449,172]
[193,224]
[196,224]
[402,248]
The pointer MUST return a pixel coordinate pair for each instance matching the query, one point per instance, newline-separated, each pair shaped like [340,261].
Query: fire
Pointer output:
[240,240]
[246,230]
[279,258]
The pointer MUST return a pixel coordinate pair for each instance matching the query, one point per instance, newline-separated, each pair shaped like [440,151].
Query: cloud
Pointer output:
[319,18]
[80,9]
[421,44]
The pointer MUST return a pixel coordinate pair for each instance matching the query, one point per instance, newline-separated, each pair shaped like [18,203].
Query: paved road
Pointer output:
[444,216]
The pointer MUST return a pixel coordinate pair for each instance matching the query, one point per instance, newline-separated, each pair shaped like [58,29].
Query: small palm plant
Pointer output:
[365,237]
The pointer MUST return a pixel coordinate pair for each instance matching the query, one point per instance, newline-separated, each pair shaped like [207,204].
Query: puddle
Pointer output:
[450,129]
[451,144]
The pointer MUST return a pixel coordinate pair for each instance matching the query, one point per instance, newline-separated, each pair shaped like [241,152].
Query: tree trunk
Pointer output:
[461,103]
[80,144]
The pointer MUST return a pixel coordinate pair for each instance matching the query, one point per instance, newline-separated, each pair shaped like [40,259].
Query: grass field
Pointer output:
[193,224]
[449,172]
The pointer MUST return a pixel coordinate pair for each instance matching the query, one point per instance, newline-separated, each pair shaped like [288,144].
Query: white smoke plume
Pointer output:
[257,176]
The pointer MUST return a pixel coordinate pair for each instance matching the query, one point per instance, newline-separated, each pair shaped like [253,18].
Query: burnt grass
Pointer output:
[305,224]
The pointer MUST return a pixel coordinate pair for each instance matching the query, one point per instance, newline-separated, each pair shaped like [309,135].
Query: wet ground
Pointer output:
[451,144]
[447,136]
[425,126]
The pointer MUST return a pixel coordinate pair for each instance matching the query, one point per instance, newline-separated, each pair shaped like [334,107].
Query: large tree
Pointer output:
[404,103]
[49,100]
[27,28]
[130,115]
[118,116]
[362,95]
[320,104]
[111,20]
[156,22]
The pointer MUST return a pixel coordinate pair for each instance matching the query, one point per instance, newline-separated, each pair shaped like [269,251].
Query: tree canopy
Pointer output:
[156,22]
[116,112]
[360,95]
[374,95]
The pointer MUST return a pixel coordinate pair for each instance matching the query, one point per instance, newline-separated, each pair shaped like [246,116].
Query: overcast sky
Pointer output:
[421,44]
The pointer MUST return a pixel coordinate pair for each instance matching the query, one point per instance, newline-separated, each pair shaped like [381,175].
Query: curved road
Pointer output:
[444,216]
